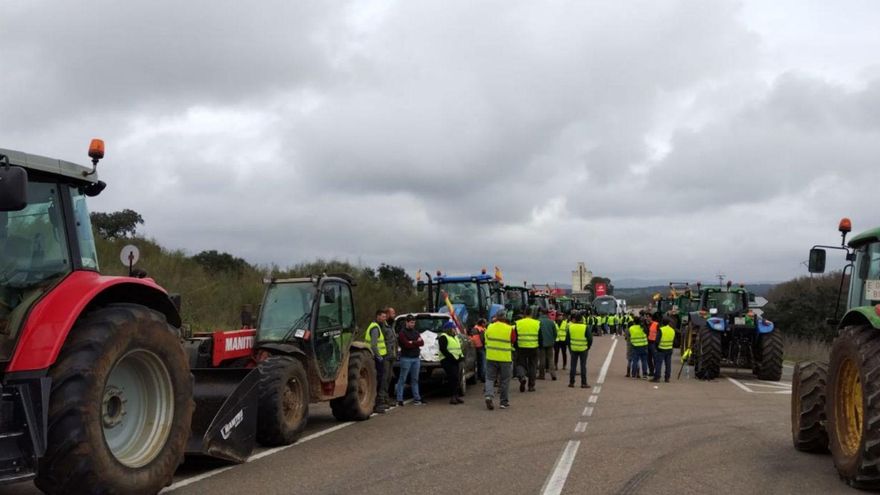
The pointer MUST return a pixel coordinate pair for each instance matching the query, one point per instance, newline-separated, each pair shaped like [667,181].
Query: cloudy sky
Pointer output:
[650,139]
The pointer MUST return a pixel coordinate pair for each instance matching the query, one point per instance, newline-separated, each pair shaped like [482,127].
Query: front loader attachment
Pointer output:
[224,424]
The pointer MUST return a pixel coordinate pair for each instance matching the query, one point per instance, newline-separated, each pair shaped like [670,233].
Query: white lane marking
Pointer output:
[580,427]
[588,411]
[556,481]
[597,389]
[195,479]
[776,388]
[604,371]
[740,385]
[593,399]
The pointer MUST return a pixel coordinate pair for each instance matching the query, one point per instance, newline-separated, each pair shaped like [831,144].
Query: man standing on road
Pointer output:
[578,339]
[450,349]
[528,331]
[559,347]
[375,338]
[391,356]
[410,363]
[478,338]
[664,351]
[548,331]
[638,342]
[500,338]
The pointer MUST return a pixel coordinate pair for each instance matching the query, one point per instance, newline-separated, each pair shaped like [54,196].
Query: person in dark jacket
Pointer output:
[450,349]
[548,331]
[410,341]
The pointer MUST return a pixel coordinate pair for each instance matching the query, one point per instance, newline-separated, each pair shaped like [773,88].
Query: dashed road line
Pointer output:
[556,481]
[597,389]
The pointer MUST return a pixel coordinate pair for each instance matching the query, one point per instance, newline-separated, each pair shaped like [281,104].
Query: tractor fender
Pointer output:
[494,310]
[285,349]
[697,319]
[50,320]
[765,326]
[716,324]
[361,346]
[862,315]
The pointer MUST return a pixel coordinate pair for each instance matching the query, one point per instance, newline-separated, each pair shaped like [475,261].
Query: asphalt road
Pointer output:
[623,436]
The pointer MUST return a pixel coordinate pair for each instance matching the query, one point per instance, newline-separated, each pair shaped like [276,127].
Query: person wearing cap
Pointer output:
[410,341]
[450,349]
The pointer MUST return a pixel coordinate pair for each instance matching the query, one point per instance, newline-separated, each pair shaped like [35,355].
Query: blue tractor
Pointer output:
[726,332]
[472,296]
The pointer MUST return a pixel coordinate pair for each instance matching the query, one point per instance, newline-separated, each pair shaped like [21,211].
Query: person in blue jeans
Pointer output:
[410,341]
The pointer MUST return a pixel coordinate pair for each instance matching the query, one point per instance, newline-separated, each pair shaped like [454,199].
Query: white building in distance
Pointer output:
[580,277]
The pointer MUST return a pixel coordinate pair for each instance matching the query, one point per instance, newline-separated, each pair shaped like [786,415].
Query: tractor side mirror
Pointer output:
[817,260]
[13,186]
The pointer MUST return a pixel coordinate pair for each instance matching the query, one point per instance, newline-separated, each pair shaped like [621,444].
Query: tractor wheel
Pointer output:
[709,359]
[808,406]
[769,367]
[853,406]
[360,396]
[120,406]
[283,407]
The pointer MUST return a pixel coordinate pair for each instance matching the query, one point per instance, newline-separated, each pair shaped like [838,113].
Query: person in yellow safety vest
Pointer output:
[638,340]
[375,337]
[528,340]
[578,338]
[559,346]
[452,356]
[500,339]
[666,336]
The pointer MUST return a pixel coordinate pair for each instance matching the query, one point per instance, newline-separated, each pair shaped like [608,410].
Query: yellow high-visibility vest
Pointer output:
[527,330]
[667,337]
[499,347]
[383,350]
[453,346]
[637,336]
[577,335]
[560,331]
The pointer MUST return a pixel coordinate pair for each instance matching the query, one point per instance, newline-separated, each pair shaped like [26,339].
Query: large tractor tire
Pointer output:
[853,406]
[708,365]
[769,362]
[120,406]
[360,397]
[283,407]
[808,387]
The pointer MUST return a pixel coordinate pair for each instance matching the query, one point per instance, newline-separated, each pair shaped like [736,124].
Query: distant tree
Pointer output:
[214,261]
[395,277]
[117,224]
[800,307]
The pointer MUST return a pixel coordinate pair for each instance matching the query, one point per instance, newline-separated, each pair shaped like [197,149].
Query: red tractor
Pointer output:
[97,392]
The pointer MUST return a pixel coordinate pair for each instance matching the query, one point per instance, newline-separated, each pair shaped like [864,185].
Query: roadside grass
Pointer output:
[806,349]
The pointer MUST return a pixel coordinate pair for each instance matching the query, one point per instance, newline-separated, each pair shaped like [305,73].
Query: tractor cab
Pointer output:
[45,233]
[865,280]
[724,303]
[314,314]
[564,304]
[517,299]
[605,305]
[474,296]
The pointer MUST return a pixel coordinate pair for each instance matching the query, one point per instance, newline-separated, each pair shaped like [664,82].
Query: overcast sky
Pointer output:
[650,139]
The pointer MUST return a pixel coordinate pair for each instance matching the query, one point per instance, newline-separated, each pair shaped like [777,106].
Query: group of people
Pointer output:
[526,349]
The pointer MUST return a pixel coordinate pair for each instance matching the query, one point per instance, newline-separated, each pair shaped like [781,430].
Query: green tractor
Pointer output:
[726,332]
[516,299]
[836,405]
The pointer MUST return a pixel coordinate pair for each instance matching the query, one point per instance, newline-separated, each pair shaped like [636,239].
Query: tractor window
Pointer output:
[329,333]
[462,293]
[286,308]
[84,235]
[866,286]
[726,302]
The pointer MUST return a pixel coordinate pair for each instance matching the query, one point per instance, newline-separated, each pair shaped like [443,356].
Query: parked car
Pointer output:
[430,326]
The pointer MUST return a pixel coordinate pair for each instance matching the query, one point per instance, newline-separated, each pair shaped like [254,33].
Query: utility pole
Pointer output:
[720,279]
